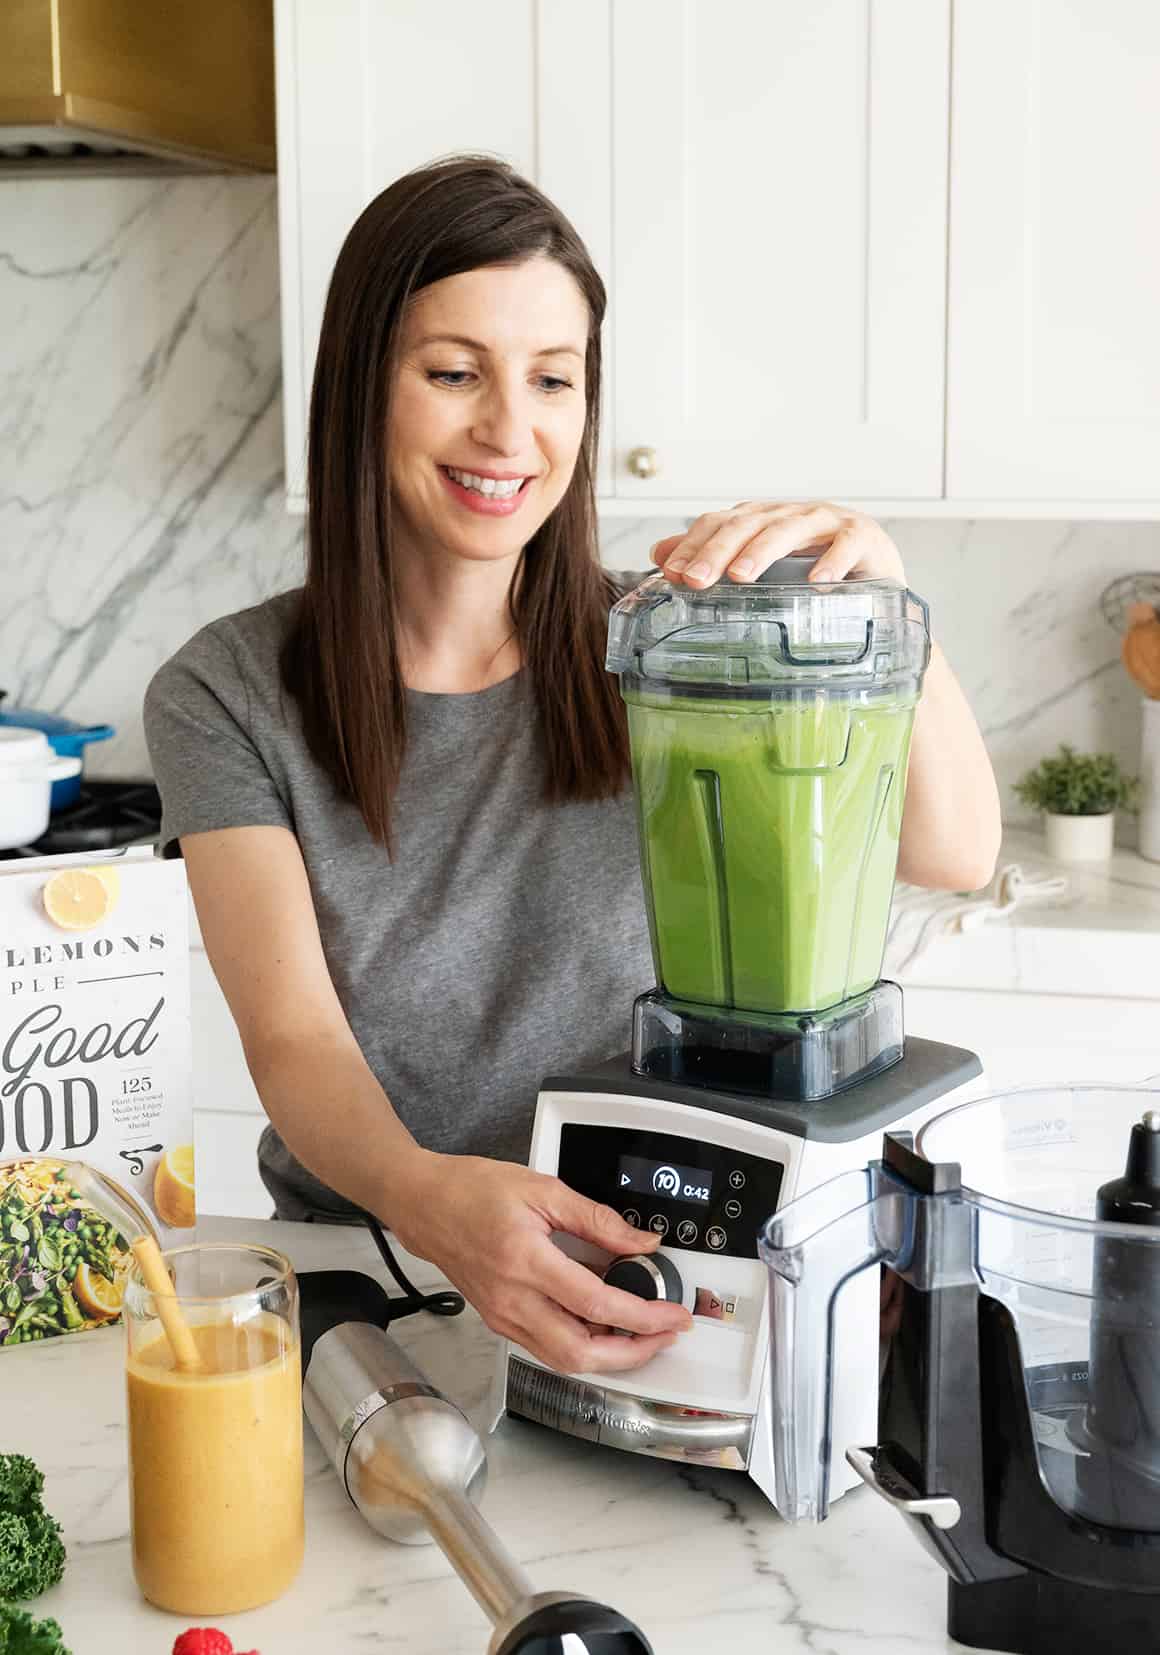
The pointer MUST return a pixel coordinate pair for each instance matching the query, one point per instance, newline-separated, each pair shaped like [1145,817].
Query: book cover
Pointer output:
[94,1067]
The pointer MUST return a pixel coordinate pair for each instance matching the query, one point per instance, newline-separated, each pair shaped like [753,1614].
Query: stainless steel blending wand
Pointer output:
[415,1466]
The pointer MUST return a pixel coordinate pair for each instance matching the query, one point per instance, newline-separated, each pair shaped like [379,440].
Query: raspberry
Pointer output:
[203,1640]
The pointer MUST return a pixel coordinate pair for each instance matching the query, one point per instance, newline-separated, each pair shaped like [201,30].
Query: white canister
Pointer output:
[1079,838]
[1149,840]
[28,768]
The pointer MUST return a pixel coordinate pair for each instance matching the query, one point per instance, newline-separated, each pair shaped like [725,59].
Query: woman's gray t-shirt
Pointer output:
[505,941]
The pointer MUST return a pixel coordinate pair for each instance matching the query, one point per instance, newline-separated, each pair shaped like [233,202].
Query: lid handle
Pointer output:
[849,656]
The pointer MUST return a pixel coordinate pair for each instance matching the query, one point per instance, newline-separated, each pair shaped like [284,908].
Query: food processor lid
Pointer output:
[781,630]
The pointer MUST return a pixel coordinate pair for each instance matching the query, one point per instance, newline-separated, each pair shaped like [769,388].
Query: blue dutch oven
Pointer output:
[66,737]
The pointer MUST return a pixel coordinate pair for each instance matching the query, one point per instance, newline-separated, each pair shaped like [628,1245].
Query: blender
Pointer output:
[1019,1414]
[769,726]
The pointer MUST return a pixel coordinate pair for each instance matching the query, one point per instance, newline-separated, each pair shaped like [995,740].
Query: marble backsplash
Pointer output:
[141,481]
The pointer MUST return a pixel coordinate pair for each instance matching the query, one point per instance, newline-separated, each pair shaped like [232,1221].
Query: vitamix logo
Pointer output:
[1048,1129]
[609,1421]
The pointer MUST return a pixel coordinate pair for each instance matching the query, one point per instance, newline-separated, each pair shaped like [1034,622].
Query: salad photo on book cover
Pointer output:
[94,1082]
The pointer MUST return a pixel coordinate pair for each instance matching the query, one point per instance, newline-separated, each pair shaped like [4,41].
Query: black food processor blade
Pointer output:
[1118,1476]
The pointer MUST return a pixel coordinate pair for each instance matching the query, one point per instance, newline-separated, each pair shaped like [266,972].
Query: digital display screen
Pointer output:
[665,1178]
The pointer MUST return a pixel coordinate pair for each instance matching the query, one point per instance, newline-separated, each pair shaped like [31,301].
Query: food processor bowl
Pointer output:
[1009,1198]
[1082,1292]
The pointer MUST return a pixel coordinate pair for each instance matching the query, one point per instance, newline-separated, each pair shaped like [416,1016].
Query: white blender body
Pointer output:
[706,1400]
[769,725]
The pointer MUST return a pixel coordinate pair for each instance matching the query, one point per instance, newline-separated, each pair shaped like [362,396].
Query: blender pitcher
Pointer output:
[769,725]
[1019,1411]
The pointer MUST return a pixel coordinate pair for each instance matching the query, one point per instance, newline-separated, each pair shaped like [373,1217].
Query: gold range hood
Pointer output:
[136,86]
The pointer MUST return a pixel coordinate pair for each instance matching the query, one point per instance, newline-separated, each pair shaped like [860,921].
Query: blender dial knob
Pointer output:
[649,1276]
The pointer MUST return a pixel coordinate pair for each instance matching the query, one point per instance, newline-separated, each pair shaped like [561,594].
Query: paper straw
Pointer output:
[177,1330]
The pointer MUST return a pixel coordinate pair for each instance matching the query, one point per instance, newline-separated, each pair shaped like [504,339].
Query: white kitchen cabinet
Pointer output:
[227,1113]
[226,1148]
[798,305]
[1054,327]
[367,91]
[779,243]
[763,187]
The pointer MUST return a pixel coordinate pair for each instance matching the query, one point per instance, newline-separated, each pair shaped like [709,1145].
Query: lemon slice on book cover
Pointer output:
[110,878]
[76,899]
[96,1294]
[173,1188]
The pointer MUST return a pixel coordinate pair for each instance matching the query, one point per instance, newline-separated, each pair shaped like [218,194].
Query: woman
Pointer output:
[402,793]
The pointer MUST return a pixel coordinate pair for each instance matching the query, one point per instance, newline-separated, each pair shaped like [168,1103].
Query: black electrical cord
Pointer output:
[444,1303]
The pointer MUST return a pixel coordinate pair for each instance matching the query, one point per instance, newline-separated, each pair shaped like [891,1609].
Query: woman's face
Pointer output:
[488,409]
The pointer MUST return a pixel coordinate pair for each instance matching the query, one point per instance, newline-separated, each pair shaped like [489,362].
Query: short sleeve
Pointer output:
[208,769]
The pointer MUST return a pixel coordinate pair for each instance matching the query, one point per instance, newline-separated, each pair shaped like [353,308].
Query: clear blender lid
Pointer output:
[781,630]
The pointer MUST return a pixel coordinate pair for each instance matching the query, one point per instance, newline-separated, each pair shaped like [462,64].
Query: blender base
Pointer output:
[1036,1614]
[797,1056]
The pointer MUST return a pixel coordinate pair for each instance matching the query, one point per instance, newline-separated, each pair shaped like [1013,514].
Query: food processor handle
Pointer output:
[812,1248]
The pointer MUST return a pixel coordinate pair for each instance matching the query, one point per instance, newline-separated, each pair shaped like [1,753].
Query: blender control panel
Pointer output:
[698,1197]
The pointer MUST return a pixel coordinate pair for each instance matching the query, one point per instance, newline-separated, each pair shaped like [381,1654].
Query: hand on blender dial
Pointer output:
[488,1226]
[743,542]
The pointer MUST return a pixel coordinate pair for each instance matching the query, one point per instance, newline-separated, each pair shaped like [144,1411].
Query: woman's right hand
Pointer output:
[488,1225]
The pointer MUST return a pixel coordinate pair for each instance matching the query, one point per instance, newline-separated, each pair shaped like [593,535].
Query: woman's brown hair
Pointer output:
[340,660]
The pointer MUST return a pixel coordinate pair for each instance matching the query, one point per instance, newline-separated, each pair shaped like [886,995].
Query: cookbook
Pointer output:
[94,1067]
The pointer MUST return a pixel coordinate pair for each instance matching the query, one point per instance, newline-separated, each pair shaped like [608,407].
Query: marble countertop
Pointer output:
[1099,936]
[696,1558]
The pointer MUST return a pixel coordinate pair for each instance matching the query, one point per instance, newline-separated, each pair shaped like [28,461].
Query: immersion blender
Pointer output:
[415,1468]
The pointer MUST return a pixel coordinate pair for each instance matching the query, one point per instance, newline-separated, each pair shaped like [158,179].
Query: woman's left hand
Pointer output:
[742,543]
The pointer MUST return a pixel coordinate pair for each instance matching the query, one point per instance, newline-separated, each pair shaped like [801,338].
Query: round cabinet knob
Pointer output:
[649,1277]
[644,463]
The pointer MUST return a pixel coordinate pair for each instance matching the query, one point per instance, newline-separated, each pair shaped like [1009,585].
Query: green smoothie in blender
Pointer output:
[769,725]
[769,837]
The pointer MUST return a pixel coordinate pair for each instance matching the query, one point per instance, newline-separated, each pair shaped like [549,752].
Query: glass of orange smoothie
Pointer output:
[215,1452]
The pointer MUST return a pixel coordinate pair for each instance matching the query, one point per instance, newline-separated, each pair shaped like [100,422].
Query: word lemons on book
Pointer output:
[173,1188]
[76,899]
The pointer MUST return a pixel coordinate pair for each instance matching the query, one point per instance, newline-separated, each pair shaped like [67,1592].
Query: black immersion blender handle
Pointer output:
[553,1623]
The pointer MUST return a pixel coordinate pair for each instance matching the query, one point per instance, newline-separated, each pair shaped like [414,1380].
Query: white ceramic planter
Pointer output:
[28,768]
[1079,838]
[1149,840]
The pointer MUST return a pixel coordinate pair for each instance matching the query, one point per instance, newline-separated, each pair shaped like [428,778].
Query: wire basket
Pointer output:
[1117,599]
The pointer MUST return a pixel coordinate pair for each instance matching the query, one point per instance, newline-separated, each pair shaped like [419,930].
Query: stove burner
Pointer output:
[106,814]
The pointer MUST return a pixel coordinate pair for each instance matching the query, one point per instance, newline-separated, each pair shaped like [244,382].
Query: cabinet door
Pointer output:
[1054,328]
[779,246]
[365,92]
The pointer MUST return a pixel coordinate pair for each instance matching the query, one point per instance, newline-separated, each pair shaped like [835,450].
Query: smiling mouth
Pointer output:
[490,488]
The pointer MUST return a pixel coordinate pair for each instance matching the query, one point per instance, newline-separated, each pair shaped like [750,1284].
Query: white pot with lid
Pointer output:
[28,768]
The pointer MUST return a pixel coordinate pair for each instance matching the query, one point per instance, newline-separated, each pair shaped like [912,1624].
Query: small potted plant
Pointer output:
[1079,794]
